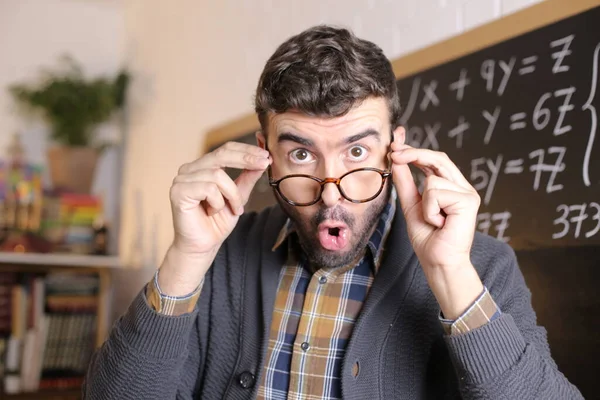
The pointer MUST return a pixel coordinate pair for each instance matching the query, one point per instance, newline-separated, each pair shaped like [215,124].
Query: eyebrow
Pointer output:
[362,135]
[291,137]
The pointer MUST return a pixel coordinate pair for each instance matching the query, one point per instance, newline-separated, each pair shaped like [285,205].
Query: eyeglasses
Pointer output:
[357,186]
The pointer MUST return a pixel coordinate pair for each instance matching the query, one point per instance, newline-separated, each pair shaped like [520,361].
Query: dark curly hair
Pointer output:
[325,71]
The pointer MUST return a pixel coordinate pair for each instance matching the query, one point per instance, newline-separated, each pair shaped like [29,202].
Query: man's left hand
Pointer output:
[441,224]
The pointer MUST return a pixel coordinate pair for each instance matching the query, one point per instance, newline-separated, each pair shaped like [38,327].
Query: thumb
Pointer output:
[246,182]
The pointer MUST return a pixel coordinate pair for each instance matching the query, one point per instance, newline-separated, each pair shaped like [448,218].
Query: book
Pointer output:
[50,331]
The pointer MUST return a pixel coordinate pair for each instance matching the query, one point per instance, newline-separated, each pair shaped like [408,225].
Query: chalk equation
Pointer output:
[482,105]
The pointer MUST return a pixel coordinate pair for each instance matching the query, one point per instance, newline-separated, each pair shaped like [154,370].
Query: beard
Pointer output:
[361,228]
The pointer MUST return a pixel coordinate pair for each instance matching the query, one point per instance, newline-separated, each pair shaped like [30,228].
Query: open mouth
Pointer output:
[333,236]
[334,231]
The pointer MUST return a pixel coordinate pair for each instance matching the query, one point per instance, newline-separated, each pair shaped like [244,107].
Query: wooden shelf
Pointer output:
[62,260]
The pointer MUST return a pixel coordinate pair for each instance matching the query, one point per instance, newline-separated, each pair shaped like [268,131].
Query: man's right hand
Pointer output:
[206,205]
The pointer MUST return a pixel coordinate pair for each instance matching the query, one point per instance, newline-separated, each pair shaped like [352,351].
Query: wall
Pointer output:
[34,34]
[195,65]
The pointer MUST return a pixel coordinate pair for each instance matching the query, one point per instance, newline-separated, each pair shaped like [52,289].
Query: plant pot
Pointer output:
[72,168]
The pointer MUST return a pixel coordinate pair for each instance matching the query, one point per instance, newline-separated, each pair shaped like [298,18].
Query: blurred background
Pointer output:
[193,65]
[162,74]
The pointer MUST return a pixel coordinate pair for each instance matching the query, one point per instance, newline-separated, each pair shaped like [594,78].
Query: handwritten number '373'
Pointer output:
[577,217]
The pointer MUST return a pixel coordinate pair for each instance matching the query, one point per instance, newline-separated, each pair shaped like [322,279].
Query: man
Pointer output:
[354,286]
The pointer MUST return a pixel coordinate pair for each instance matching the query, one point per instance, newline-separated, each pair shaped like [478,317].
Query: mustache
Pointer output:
[337,213]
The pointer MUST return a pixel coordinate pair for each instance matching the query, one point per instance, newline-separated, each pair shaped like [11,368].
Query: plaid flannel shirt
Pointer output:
[314,316]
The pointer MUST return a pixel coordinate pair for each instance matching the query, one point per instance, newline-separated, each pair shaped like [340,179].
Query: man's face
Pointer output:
[334,231]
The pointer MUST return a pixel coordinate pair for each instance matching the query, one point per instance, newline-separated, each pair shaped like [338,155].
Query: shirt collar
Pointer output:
[376,242]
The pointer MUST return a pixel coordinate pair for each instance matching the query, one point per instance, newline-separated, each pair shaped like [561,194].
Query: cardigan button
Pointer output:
[355,369]
[246,380]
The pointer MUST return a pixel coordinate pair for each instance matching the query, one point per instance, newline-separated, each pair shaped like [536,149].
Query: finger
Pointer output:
[435,182]
[246,182]
[429,160]
[432,212]
[405,187]
[232,159]
[397,145]
[226,185]
[215,202]
[189,194]
[246,148]
[432,208]
[233,155]
[453,204]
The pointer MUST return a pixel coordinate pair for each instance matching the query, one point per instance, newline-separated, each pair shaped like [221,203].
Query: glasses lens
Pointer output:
[300,190]
[361,185]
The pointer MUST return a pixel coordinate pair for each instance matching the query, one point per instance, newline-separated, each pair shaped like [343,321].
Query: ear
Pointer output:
[261,140]
[399,135]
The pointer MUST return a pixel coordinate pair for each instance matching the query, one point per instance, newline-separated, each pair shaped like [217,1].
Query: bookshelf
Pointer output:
[66,266]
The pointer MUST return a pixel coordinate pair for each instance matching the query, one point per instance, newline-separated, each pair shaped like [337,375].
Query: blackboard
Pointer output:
[515,105]
[520,119]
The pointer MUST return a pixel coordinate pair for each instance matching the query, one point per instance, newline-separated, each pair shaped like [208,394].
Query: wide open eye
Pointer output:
[357,153]
[301,156]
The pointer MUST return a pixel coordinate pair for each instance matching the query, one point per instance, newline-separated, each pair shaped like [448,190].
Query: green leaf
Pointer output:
[71,104]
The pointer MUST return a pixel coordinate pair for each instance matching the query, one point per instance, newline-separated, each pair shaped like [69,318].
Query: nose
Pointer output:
[331,194]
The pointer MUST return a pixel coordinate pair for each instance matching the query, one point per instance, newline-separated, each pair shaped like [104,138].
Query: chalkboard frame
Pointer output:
[505,28]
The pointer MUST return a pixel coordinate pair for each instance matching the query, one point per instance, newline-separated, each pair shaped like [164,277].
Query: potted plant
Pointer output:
[73,106]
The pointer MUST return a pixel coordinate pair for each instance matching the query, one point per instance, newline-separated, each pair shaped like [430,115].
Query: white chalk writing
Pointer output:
[553,169]
[517,121]
[594,117]
[527,67]
[498,220]
[572,218]
[460,84]
[559,56]
[430,96]
[492,119]
[458,131]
